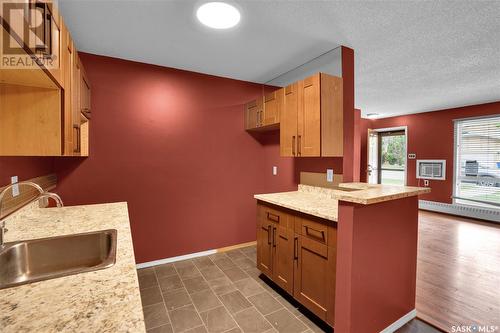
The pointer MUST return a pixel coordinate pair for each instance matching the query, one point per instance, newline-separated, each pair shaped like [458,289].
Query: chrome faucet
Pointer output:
[41,195]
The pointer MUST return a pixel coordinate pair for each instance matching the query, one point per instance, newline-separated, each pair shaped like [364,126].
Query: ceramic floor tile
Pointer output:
[265,303]
[224,263]
[205,300]
[155,315]
[162,329]
[235,302]
[170,283]
[150,296]
[235,254]
[183,263]
[244,263]
[285,322]
[212,272]
[195,284]
[251,321]
[147,279]
[203,262]
[218,320]
[184,318]
[188,272]
[176,298]
[199,329]
[248,287]
[222,286]
[165,270]
[235,273]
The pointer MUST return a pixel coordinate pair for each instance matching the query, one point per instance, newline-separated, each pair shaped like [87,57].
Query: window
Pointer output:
[477,161]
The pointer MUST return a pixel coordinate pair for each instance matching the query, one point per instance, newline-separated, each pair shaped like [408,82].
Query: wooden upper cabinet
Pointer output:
[263,113]
[288,121]
[41,106]
[67,60]
[272,108]
[311,123]
[309,118]
[253,113]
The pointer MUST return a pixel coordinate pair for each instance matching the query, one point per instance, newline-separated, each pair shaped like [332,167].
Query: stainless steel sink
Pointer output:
[48,258]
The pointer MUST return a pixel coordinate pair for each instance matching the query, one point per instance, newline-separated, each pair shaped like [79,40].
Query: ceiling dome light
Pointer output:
[218,15]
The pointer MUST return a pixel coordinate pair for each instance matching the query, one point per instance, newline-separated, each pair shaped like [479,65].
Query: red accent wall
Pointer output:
[24,167]
[171,143]
[430,136]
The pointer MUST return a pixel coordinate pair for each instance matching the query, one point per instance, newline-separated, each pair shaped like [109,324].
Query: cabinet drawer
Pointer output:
[274,215]
[315,230]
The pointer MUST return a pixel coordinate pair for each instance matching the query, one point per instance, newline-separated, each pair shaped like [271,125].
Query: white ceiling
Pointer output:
[411,56]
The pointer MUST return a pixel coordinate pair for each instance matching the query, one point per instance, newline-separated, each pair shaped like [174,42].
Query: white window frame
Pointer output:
[456,166]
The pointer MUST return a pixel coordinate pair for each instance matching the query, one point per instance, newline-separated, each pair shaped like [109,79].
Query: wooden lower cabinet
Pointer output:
[299,254]
[282,252]
[265,248]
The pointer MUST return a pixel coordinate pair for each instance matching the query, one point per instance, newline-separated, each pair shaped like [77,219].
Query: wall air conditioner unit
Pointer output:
[431,169]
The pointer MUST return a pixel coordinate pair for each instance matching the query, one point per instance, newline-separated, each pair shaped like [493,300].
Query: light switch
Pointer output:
[426,182]
[275,170]
[412,156]
[15,188]
[329,175]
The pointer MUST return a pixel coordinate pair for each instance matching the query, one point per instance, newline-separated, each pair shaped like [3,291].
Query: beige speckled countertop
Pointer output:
[323,202]
[107,300]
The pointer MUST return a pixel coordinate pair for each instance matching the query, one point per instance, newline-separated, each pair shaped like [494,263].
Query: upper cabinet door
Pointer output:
[288,121]
[309,117]
[84,93]
[253,114]
[272,107]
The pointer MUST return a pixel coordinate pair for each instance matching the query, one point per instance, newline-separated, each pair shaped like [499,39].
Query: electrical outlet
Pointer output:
[15,188]
[426,182]
[275,170]
[412,156]
[329,175]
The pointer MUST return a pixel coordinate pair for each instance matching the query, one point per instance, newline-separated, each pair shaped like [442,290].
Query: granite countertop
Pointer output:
[308,199]
[107,300]
[323,202]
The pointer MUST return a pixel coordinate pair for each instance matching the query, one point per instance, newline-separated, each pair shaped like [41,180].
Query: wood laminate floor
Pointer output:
[458,271]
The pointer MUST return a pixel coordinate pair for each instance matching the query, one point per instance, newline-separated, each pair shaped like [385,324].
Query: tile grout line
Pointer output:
[218,297]
[252,305]
[192,303]
[162,301]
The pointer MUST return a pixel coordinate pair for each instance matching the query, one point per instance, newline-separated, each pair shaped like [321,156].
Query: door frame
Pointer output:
[388,129]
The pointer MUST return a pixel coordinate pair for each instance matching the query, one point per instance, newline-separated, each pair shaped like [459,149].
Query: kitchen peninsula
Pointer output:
[348,254]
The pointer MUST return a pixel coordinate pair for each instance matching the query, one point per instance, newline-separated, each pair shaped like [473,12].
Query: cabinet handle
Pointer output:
[293,145]
[298,145]
[260,118]
[269,235]
[322,232]
[296,248]
[257,120]
[274,236]
[273,217]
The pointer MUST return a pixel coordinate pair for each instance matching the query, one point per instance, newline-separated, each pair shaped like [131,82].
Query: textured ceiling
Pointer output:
[411,56]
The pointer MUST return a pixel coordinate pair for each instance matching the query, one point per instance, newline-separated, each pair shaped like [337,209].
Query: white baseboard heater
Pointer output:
[461,210]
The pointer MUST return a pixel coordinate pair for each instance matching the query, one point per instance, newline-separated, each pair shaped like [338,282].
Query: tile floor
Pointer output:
[217,293]
[220,293]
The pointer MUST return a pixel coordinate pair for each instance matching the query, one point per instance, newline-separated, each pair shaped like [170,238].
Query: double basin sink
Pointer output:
[48,258]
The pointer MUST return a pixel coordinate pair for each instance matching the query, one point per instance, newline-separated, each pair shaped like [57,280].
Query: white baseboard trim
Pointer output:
[492,215]
[174,259]
[400,322]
